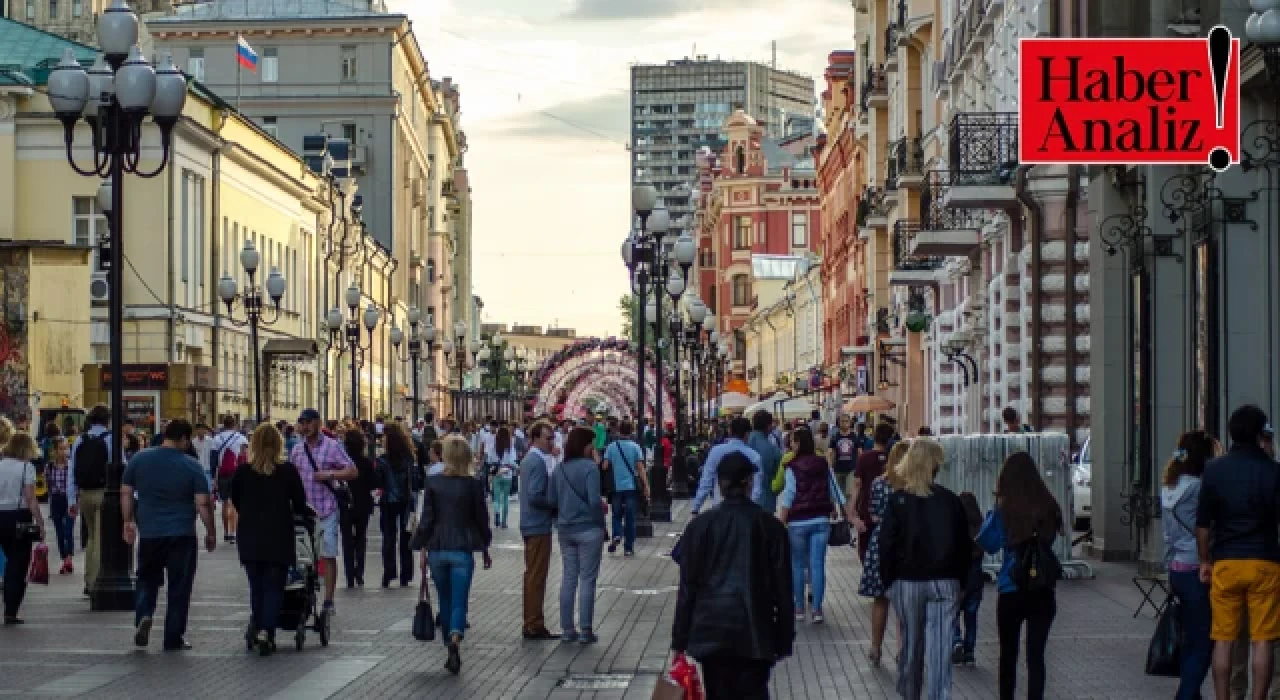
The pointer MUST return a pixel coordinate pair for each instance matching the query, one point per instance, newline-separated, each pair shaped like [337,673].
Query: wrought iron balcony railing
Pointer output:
[870,204]
[934,214]
[891,42]
[890,172]
[903,232]
[875,84]
[908,154]
[984,148]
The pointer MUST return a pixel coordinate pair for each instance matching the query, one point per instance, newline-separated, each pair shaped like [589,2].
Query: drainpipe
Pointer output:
[1033,233]
[170,330]
[1072,214]
[216,250]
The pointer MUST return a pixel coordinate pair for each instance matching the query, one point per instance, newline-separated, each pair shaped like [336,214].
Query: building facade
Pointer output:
[679,107]
[76,20]
[757,197]
[784,332]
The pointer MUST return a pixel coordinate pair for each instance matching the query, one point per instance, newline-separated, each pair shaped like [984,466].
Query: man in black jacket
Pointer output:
[733,610]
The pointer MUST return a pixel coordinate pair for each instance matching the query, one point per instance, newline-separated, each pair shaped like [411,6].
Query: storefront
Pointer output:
[154,393]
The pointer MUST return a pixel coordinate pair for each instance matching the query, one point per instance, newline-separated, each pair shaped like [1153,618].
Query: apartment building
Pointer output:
[76,20]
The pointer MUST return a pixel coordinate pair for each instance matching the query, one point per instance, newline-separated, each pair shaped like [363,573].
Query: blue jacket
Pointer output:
[992,539]
[770,459]
[575,491]
[536,509]
[707,484]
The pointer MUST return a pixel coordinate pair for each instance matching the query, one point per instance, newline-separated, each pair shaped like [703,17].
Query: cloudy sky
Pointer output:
[545,106]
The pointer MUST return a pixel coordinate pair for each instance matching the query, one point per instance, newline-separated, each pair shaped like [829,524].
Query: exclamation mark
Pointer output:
[1219,61]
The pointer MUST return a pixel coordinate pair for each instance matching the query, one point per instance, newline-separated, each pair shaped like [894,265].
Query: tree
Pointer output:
[629,307]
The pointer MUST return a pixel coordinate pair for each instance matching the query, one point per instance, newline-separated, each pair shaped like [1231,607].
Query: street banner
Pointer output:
[1165,101]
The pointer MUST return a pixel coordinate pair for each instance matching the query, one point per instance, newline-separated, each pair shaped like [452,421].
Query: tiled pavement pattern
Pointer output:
[1096,650]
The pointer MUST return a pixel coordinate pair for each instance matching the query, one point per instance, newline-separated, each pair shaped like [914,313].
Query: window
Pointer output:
[88,224]
[77,8]
[195,64]
[270,66]
[799,229]
[349,133]
[711,299]
[53,9]
[31,10]
[742,233]
[349,65]
[741,290]
[269,125]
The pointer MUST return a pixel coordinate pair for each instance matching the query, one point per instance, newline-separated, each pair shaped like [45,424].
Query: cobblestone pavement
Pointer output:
[1096,650]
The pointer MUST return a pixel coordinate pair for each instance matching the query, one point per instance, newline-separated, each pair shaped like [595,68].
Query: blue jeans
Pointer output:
[452,571]
[266,592]
[630,502]
[809,551]
[968,612]
[580,554]
[171,560]
[1197,649]
[63,524]
[501,498]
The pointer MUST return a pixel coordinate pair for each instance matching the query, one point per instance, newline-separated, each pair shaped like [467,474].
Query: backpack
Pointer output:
[1035,566]
[92,457]
[231,461]
[215,454]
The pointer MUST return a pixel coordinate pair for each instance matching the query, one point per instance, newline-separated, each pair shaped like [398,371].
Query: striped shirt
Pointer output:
[329,456]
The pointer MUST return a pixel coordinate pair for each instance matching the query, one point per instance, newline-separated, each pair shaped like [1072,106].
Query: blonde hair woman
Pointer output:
[925,552]
[872,585]
[454,525]
[18,506]
[267,492]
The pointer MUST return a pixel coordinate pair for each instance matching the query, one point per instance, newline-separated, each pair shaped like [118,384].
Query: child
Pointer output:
[963,645]
[55,474]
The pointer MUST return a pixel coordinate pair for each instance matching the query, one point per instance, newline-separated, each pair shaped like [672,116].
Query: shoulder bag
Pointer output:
[580,496]
[424,620]
[341,493]
[841,530]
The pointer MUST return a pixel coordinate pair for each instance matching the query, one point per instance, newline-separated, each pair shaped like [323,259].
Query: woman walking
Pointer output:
[395,469]
[872,584]
[354,521]
[56,475]
[809,498]
[503,466]
[268,494]
[924,559]
[575,489]
[19,511]
[1025,512]
[454,525]
[1179,498]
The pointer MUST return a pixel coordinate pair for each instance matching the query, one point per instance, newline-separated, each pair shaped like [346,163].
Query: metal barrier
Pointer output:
[973,464]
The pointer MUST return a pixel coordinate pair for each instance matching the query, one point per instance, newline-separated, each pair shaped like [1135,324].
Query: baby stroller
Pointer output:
[300,604]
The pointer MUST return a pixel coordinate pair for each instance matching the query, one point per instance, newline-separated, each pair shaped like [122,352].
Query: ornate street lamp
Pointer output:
[415,349]
[354,344]
[252,302]
[114,98]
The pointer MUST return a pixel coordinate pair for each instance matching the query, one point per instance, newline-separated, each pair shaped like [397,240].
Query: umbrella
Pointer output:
[868,403]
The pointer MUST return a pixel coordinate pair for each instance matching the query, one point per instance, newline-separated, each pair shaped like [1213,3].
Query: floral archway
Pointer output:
[604,369]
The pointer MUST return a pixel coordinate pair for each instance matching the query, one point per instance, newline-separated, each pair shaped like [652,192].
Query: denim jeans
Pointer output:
[452,571]
[809,551]
[968,637]
[580,554]
[354,524]
[1197,648]
[63,524]
[266,592]
[171,560]
[394,519]
[501,498]
[630,502]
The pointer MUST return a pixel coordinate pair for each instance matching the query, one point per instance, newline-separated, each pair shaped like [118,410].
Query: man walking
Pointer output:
[537,513]
[843,451]
[171,488]
[323,464]
[86,481]
[624,462]
[225,454]
[739,428]
[770,457]
[733,608]
[1236,535]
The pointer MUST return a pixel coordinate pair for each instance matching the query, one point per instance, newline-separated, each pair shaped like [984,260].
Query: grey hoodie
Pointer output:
[575,490]
[1178,509]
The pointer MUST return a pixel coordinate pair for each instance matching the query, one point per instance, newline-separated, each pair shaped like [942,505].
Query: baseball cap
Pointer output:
[308,414]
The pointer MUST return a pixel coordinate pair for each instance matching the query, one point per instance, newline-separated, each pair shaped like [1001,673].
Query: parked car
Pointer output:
[1082,487]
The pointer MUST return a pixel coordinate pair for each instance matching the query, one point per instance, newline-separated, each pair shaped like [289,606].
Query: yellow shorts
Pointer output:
[1245,582]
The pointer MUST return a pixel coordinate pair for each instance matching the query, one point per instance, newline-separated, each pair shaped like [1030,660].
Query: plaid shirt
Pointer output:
[56,479]
[329,456]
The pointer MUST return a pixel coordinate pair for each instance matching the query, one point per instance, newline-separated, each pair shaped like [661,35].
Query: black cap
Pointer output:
[308,414]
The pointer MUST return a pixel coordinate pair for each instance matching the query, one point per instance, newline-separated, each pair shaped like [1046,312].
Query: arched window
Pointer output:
[741,290]
[740,160]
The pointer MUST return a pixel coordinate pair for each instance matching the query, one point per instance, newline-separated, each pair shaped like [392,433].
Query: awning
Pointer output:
[299,347]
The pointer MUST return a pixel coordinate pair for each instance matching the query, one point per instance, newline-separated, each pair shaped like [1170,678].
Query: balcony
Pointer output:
[902,36]
[911,270]
[891,33]
[908,158]
[872,212]
[973,22]
[984,160]
[875,89]
[941,231]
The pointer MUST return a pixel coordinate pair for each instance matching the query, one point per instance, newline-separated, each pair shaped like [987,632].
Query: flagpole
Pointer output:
[238,70]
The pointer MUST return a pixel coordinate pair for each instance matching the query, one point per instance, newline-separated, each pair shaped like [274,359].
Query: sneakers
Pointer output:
[497,521]
[818,618]
[142,634]
[67,567]
[970,659]
[799,614]
[613,545]
[586,636]
[957,655]
[569,637]
[629,553]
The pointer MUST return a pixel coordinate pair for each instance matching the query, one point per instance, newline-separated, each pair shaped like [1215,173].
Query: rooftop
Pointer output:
[273,9]
[27,54]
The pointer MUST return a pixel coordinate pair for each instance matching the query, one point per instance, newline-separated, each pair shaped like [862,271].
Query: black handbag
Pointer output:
[841,530]
[1165,650]
[424,620]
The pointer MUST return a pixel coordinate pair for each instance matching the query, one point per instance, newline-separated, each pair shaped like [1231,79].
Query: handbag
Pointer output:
[680,682]
[841,529]
[341,493]
[424,619]
[39,570]
[1165,649]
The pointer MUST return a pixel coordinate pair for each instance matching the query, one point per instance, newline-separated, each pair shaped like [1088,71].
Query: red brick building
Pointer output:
[757,196]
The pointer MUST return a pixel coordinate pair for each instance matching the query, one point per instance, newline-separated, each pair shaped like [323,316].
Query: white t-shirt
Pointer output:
[488,442]
[15,474]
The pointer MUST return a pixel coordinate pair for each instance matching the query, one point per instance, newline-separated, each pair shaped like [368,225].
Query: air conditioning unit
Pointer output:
[99,290]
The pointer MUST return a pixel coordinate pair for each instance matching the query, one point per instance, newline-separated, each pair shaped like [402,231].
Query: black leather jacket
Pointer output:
[454,517]
[925,539]
[735,585]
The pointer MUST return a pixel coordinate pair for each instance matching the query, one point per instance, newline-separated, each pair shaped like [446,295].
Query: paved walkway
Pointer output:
[1096,649]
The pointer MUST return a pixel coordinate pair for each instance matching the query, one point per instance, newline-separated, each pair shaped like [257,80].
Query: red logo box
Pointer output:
[1130,101]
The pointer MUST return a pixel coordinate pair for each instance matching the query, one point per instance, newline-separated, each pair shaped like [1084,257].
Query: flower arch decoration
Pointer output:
[603,368]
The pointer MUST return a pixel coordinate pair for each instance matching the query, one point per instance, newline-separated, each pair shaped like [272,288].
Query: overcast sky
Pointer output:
[545,106]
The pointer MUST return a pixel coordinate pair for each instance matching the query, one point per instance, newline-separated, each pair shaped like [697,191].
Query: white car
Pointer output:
[1082,487]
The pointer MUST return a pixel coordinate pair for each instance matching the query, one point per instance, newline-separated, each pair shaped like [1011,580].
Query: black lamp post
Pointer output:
[415,349]
[255,314]
[114,98]
[355,344]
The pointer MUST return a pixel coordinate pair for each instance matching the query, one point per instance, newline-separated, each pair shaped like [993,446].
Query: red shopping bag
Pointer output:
[680,682]
[39,571]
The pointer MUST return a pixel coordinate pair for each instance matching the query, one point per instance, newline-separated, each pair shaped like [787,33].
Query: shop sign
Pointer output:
[139,377]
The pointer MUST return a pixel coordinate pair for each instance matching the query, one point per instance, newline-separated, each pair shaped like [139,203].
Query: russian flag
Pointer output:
[245,54]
